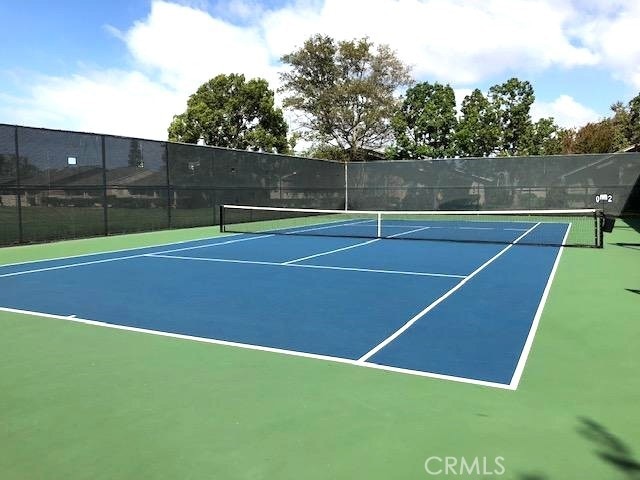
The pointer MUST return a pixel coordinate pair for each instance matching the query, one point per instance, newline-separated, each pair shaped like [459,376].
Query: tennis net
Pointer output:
[529,227]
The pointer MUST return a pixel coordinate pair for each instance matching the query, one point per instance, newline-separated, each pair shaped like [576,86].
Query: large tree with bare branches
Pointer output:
[345,93]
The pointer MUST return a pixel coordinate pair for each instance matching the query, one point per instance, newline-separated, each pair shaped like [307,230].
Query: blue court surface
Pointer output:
[459,311]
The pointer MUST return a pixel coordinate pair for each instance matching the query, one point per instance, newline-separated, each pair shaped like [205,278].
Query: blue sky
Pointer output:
[126,66]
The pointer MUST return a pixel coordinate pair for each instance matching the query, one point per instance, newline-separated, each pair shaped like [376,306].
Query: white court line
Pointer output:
[439,300]
[284,230]
[352,246]
[517,374]
[331,251]
[259,348]
[244,239]
[107,252]
[407,233]
[301,265]
[206,259]
[106,260]
[372,270]
[476,213]
[358,223]
[119,250]
[387,226]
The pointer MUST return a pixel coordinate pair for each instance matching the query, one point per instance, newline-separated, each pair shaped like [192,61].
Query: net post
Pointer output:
[599,218]
[221,218]
[379,223]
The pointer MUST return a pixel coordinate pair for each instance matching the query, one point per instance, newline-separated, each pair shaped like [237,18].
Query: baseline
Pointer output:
[97,323]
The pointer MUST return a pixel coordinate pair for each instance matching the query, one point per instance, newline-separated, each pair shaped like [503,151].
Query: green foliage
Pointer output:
[327,152]
[634,120]
[596,137]
[512,101]
[345,91]
[543,138]
[610,134]
[228,111]
[567,138]
[478,131]
[425,124]
[135,154]
[622,126]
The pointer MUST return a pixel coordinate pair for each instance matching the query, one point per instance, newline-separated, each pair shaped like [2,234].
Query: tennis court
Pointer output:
[81,401]
[330,285]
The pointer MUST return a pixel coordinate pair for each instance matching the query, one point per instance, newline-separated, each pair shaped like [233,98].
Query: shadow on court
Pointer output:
[633,246]
[610,448]
[632,223]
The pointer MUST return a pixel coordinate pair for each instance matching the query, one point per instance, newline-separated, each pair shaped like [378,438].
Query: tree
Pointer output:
[634,120]
[622,126]
[596,138]
[228,111]
[344,92]
[609,135]
[546,138]
[135,154]
[567,139]
[478,132]
[326,151]
[512,101]
[425,124]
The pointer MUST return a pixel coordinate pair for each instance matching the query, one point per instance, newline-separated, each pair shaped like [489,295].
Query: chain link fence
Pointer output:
[59,185]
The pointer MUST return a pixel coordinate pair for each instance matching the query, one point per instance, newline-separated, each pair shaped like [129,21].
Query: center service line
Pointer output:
[441,299]
[352,246]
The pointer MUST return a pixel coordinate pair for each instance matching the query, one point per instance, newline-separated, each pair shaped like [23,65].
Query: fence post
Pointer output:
[105,203]
[18,190]
[168,183]
[346,185]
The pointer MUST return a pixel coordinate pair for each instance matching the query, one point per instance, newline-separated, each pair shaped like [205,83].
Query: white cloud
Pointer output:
[112,101]
[610,29]
[461,93]
[244,9]
[188,46]
[448,40]
[114,32]
[565,110]
[178,46]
